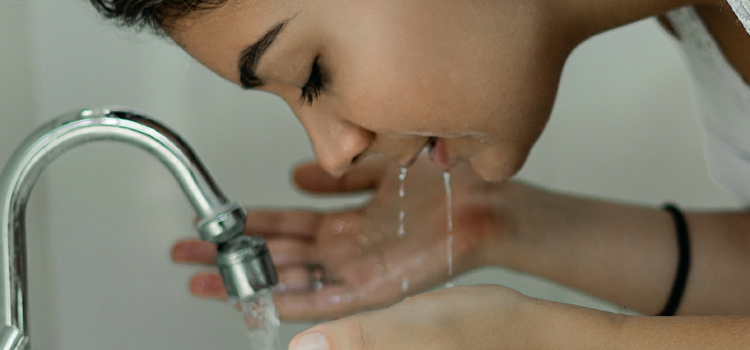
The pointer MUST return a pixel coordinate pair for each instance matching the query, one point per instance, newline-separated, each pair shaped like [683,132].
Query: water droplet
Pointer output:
[356,252]
[338,226]
[363,240]
[401,179]
[449,285]
[317,286]
[405,284]
[341,298]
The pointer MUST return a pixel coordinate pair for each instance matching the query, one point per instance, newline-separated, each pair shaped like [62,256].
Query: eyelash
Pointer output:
[314,86]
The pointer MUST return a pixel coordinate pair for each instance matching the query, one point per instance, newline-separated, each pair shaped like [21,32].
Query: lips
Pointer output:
[438,150]
[439,153]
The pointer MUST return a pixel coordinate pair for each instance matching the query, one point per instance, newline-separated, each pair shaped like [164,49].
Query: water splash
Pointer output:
[449,207]
[401,194]
[262,321]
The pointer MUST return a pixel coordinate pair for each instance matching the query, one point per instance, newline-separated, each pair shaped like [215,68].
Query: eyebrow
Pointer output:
[250,57]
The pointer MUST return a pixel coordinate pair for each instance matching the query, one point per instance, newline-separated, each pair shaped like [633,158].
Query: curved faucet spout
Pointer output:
[220,219]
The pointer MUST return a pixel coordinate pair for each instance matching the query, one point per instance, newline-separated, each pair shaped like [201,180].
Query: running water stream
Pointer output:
[401,215]
[449,219]
[262,321]
[401,194]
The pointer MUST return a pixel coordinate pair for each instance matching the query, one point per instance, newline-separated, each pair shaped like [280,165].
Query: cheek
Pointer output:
[499,163]
[389,85]
[396,93]
[389,75]
[381,99]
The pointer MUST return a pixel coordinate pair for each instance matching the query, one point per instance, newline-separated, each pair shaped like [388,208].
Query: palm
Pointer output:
[333,264]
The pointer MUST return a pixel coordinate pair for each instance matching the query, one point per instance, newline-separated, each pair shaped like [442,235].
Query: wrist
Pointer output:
[520,219]
[574,327]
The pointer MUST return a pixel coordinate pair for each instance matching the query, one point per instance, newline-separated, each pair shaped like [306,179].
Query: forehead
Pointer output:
[216,37]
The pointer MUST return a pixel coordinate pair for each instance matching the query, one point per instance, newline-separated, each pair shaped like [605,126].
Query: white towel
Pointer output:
[742,9]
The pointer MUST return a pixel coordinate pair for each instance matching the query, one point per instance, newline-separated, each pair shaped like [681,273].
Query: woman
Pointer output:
[473,82]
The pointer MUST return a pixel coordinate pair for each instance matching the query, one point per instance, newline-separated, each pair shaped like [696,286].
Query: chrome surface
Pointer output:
[220,219]
[245,266]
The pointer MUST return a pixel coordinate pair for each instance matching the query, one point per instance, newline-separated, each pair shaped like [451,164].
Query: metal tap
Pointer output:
[244,261]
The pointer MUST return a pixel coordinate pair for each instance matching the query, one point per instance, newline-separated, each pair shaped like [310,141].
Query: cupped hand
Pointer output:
[332,264]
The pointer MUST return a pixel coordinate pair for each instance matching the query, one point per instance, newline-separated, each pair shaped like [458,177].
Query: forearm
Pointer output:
[623,253]
[572,327]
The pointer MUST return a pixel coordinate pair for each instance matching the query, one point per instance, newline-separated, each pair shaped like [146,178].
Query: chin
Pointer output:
[498,169]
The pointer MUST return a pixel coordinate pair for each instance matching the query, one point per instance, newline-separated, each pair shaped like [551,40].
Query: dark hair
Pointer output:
[156,15]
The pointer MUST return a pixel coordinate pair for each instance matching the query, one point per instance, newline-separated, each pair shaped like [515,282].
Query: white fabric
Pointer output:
[723,99]
[742,9]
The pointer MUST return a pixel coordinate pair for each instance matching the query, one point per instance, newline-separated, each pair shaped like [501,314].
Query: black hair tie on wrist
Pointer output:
[683,267]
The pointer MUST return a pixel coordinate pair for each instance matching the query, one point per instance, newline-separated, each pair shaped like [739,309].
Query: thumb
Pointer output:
[343,334]
[417,323]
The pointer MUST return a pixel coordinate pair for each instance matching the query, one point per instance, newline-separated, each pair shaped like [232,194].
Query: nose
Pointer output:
[338,144]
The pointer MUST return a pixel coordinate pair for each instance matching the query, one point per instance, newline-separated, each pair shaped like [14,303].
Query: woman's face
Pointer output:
[473,80]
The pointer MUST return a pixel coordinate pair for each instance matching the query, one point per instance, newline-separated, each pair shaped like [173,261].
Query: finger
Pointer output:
[284,252]
[330,302]
[290,280]
[194,251]
[289,251]
[302,224]
[294,279]
[378,330]
[208,285]
[365,176]
[294,299]
[409,325]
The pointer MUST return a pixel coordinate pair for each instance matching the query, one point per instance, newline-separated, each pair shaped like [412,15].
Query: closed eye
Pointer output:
[314,86]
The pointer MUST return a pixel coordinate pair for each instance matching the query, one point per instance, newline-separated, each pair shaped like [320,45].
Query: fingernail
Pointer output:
[198,284]
[204,285]
[311,341]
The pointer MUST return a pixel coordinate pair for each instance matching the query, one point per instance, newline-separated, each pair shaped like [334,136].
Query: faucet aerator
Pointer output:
[246,267]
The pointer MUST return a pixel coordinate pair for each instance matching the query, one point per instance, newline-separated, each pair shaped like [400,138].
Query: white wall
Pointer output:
[105,216]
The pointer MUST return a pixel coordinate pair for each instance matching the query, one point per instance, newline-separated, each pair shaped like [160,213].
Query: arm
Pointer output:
[623,253]
[573,327]
[496,318]
[586,18]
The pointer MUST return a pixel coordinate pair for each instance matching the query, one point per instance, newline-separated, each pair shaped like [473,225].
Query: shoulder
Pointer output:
[729,33]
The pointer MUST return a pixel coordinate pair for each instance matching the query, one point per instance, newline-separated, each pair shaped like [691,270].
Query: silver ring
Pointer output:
[316,274]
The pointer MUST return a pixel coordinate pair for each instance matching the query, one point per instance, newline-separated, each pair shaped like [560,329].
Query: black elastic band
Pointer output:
[683,267]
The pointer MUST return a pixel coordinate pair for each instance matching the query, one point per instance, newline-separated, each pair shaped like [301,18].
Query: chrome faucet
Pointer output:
[244,261]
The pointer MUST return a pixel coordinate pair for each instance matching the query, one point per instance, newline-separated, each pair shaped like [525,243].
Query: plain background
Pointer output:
[103,217]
